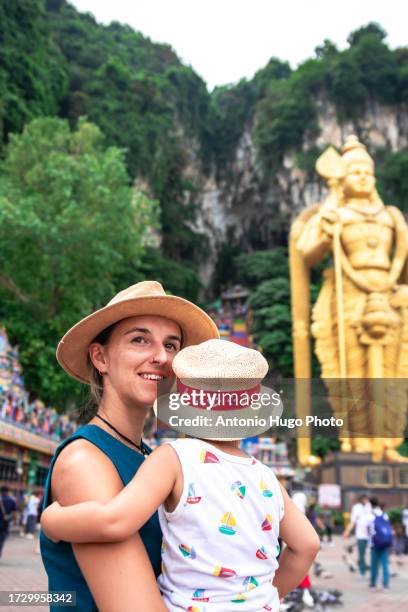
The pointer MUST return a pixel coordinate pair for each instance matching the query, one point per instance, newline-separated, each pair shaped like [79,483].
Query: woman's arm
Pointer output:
[302,546]
[122,516]
[120,575]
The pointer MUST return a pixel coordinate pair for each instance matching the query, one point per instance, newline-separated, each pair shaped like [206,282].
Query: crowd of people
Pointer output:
[17,408]
[34,416]
[24,512]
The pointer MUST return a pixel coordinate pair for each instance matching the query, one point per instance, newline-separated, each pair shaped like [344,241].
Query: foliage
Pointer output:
[282,118]
[33,71]
[69,226]
[144,100]
[306,159]
[392,176]
[226,272]
[230,111]
[368,70]
[401,56]
[178,279]
[372,29]
[267,273]
[321,446]
[275,70]
[403,448]
[346,90]
[338,519]
[395,514]
[262,265]
[177,195]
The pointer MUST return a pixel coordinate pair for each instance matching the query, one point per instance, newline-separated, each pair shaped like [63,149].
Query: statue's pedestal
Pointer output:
[357,473]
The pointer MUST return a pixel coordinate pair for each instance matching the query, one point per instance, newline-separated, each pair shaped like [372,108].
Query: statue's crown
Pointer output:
[354,151]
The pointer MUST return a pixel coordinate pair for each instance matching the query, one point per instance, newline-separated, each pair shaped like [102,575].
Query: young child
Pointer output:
[220,510]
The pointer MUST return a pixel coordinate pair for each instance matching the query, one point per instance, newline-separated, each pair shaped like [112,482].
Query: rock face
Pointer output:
[241,206]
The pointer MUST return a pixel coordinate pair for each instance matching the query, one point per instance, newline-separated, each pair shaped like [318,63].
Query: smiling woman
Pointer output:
[137,355]
[122,351]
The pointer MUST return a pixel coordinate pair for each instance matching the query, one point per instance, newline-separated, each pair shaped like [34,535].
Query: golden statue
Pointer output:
[360,319]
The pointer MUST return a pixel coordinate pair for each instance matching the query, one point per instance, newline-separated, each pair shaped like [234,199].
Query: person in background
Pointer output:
[359,520]
[380,531]
[23,508]
[40,507]
[405,523]
[8,510]
[399,543]
[300,500]
[328,523]
[314,517]
[32,515]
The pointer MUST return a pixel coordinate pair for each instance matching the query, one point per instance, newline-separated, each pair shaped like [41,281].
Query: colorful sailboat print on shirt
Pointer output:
[187,552]
[192,498]
[250,583]
[199,595]
[262,553]
[267,523]
[223,572]
[240,598]
[239,489]
[266,492]
[227,524]
[208,457]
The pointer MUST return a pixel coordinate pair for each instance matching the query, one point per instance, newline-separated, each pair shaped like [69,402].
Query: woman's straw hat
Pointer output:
[147,298]
[219,378]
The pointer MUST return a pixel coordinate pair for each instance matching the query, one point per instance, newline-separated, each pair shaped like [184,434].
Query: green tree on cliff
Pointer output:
[71,230]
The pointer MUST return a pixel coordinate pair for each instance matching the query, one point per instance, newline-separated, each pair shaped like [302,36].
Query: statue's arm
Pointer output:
[313,242]
[400,245]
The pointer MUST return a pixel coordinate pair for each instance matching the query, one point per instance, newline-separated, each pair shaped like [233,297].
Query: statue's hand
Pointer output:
[329,219]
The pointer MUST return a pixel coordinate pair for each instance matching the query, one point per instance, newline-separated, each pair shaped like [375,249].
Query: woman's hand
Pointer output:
[48,521]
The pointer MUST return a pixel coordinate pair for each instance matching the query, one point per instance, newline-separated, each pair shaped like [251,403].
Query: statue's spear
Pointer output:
[331,167]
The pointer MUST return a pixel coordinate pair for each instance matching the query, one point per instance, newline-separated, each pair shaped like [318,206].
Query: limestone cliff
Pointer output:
[256,212]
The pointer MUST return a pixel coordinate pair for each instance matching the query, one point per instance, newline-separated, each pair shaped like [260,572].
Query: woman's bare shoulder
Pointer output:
[83,472]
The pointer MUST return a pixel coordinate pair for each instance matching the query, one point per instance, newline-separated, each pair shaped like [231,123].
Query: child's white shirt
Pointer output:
[221,542]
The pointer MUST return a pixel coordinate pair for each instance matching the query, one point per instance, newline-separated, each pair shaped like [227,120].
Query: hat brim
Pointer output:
[219,432]
[72,351]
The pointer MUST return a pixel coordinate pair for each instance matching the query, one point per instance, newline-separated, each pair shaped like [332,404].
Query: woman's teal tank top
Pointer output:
[60,564]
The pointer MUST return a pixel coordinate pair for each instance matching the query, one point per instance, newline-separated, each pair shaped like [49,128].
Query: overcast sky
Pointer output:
[225,40]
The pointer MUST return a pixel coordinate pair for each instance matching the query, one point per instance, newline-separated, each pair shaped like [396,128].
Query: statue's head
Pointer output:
[359,181]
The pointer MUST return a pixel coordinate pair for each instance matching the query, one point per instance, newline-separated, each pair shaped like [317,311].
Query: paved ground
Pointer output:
[356,595]
[21,569]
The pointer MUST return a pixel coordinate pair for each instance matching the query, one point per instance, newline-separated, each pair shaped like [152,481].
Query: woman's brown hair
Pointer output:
[88,411]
